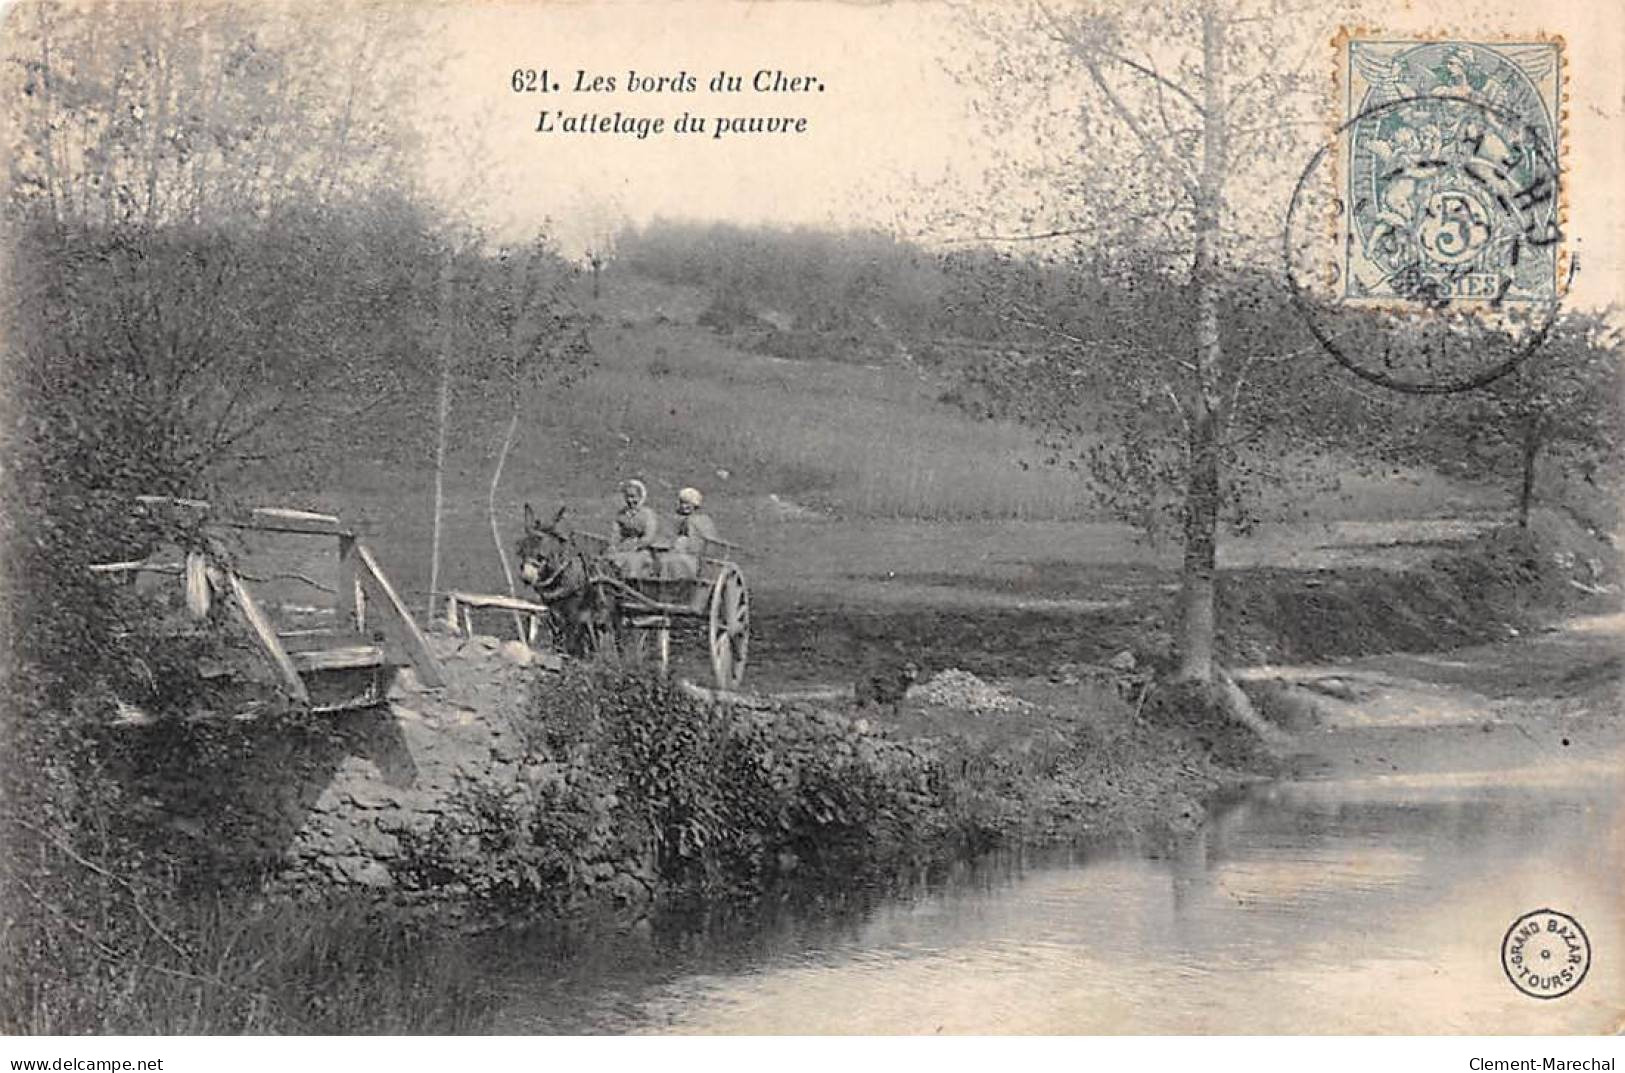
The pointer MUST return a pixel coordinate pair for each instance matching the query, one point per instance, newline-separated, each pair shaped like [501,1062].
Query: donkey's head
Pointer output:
[544,550]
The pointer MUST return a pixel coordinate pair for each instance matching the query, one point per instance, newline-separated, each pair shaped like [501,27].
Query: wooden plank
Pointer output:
[397,622]
[503,603]
[250,610]
[648,606]
[528,612]
[297,517]
[135,566]
[351,603]
[296,641]
[281,520]
[349,657]
[172,501]
[271,519]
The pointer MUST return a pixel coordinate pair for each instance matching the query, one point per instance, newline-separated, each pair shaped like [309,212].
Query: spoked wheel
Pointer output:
[601,640]
[730,627]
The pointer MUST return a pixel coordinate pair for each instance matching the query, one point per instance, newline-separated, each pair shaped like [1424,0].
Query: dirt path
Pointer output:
[1545,705]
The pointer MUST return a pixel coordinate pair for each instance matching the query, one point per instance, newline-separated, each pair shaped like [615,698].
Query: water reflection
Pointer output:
[1374,905]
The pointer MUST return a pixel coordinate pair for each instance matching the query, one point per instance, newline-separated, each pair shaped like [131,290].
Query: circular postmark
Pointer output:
[1423,240]
[1546,954]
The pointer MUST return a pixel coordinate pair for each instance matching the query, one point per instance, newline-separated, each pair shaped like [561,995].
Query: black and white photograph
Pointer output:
[760,518]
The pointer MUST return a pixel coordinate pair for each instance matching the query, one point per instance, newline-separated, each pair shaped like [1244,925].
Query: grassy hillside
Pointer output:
[780,447]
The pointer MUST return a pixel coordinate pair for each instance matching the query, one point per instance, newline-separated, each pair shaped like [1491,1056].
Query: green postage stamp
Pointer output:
[1451,175]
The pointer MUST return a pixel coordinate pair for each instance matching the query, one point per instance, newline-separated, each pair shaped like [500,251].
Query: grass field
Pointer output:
[780,447]
[877,523]
[860,500]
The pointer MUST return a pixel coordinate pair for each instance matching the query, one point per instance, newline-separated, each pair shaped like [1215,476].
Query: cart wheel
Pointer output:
[645,641]
[600,640]
[730,627]
[630,642]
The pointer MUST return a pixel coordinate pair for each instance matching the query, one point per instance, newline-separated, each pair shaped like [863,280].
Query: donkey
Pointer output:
[580,613]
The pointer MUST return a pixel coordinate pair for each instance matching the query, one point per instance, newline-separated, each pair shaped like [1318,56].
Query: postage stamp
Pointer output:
[1450,171]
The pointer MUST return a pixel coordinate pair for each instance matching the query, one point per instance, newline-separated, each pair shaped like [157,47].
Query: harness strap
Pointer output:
[548,581]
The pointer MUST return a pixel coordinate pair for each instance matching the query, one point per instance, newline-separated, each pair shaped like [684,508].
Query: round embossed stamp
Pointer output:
[1546,954]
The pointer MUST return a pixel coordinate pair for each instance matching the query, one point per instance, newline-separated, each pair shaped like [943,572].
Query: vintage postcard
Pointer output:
[730,518]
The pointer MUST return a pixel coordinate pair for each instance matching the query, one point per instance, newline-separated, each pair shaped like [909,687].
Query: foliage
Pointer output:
[1173,110]
[200,112]
[162,361]
[218,335]
[1561,404]
[90,426]
[514,317]
[870,289]
[630,789]
[232,965]
[206,234]
[1081,366]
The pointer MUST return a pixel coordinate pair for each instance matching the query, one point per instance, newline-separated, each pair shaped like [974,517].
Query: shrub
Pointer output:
[632,789]
[728,312]
[228,966]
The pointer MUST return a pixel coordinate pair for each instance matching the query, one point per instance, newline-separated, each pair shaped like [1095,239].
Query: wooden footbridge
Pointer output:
[372,633]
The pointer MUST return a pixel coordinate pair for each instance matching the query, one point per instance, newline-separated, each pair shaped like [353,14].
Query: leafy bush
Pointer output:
[811,792]
[728,312]
[632,789]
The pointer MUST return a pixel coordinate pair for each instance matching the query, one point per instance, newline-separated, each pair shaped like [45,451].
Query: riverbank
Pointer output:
[1531,711]
[609,810]
[621,791]
[1432,798]
[1550,697]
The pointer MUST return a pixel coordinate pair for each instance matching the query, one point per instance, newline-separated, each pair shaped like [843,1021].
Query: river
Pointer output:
[1347,903]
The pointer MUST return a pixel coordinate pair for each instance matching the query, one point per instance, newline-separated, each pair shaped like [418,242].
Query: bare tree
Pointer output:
[602,222]
[198,112]
[443,367]
[515,328]
[226,215]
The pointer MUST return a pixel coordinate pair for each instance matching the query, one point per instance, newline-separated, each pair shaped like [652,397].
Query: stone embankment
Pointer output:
[434,743]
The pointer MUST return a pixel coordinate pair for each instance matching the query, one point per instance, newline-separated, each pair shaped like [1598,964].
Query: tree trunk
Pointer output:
[1199,569]
[160,119]
[1202,489]
[48,76]
[491,507]
[1526,492]
[443,416]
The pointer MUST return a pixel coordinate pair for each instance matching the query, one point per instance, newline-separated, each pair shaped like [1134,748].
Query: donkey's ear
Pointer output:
[530,518]
[557,518]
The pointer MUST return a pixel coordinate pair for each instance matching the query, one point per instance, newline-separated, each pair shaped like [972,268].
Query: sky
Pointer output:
[891,138]
[887,118]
